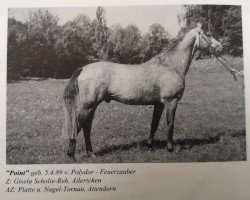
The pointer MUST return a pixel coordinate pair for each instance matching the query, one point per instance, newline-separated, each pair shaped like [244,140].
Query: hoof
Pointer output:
[150,147]
[71,149]
[71,156]
[170,149]
[73,159]
[91,155]
[170,146]
[150,144]
[178,149]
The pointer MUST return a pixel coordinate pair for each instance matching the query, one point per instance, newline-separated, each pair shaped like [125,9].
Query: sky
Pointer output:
[142,16]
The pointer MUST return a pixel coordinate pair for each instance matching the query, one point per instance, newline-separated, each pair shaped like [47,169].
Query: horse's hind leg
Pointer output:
[72,145]
[86,123]
[170,115]
[158,109]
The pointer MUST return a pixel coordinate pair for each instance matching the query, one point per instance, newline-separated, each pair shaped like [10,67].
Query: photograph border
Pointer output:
[210,180]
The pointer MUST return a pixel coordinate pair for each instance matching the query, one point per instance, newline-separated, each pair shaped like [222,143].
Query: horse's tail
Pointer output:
[71,104]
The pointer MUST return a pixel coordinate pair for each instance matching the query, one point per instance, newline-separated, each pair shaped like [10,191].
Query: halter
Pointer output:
[212,50]
[201,34]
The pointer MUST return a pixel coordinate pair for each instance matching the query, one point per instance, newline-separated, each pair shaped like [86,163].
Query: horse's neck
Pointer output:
[179,60]
[184,54]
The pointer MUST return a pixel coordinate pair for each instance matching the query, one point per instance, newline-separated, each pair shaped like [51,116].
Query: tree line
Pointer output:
[41,47]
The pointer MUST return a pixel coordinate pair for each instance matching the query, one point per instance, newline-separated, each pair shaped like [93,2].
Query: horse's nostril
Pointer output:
[218,49]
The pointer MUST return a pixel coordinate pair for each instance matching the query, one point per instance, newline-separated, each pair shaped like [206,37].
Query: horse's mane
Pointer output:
[170,55]
[169,50]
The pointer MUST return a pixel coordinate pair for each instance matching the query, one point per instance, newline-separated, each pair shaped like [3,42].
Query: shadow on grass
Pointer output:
[19,80]
[184,144]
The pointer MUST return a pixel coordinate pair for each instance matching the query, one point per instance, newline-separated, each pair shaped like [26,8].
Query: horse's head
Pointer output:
[206,41]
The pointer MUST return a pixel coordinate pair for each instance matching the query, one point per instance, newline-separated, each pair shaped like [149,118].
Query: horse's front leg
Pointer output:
[71,149]
[87,125]
[158,109]
[170,115]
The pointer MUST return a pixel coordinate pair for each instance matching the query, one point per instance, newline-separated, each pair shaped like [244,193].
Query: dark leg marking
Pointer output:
[71,149]
[170,115]
[87,125]
[158,109]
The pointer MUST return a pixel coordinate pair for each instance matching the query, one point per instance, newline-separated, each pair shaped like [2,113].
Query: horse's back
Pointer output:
[130,84]
[93,83]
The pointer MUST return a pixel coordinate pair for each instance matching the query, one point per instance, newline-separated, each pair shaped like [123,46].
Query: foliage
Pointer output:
[40,42]
[43,48]
[74,45]
[101,33]
[155,41]
[222,21]
[232,38]
[124,44]
[15,50]
[127,49]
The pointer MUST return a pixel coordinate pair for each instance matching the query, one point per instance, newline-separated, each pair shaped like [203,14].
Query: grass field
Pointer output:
[210,123]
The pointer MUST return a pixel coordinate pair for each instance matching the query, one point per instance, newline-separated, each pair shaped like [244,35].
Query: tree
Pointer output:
[222,21]
[114,43]
[101,33]
[131,44]
[232,36]
[41,35]
[15,51]
[124,44]
[74,45]
[154,41]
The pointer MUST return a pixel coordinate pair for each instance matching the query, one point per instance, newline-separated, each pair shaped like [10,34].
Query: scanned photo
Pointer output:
[125,84]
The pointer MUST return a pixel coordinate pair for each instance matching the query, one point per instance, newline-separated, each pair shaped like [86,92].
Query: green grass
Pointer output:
[210,123]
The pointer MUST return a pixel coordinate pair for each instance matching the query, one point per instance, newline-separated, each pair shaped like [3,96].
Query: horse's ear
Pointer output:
[199,25]
[198,28]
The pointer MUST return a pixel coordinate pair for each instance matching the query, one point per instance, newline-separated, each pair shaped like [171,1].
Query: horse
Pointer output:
[159,82]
